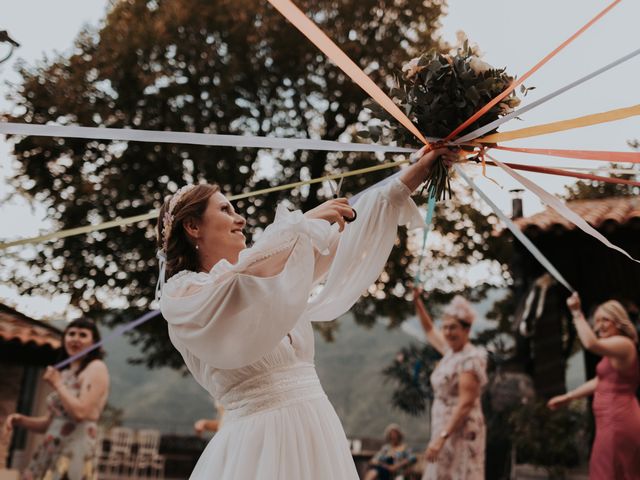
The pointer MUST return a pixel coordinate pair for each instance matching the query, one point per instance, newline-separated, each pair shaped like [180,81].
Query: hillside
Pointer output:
[349,368]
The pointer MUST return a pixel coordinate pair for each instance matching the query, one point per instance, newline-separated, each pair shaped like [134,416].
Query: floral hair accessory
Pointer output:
[167,225]
[168,217]
[461,310]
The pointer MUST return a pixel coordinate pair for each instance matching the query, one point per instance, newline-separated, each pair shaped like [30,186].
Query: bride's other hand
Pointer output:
[334,211]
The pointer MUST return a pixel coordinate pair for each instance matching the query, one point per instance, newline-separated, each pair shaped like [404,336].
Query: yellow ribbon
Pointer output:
[154,213]
[561,126]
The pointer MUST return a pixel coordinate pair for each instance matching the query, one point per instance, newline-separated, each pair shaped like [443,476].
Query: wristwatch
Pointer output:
[444,435]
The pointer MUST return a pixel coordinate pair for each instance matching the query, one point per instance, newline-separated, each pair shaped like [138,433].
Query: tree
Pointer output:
[591,190]
[223,67]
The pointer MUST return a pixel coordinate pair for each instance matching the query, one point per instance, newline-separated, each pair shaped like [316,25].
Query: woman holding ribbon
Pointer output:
[241,317]
[616,448]
[457,446]
[68,449]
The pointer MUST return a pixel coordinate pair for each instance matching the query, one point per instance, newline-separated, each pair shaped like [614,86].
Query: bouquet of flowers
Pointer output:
[439,92]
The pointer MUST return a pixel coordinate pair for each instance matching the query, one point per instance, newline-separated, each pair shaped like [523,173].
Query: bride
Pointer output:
[241,317]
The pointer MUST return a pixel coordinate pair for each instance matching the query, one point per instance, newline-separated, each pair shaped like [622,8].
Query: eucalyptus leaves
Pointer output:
[438,92]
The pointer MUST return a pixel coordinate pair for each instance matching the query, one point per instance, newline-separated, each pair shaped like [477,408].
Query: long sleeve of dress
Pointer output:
[232,316]
[235,314]
[363,248]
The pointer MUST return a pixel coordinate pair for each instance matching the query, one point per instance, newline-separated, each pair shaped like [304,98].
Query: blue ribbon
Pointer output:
[431,206]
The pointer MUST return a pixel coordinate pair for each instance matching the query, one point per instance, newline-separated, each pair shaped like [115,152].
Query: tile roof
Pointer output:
[599,213]
[15,326]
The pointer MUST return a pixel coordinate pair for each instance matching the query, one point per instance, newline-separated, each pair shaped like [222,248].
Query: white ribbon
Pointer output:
[537,254]
[162,272]
[495,124]
[560,207]
[210,139]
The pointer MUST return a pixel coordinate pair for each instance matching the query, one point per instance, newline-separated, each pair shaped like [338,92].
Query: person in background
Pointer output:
[68,450]
[457,446]
[616,448]
[210,424]
[393,459]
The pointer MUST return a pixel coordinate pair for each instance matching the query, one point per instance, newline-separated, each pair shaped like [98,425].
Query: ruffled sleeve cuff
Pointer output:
[399,195]
[279,236]
[318,230]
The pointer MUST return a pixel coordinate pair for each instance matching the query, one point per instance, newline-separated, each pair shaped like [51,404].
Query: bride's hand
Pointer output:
[426,157]
[418,172]
[334,211]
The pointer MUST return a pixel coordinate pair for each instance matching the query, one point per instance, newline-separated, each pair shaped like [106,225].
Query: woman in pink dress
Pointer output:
[616,449]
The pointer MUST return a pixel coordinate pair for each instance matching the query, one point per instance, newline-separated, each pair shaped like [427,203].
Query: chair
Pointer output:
[148,462]
[118,462]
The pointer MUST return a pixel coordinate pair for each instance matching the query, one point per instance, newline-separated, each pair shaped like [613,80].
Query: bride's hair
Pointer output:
[172,239]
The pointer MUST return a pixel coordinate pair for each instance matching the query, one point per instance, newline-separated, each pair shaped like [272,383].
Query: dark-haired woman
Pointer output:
[68,450]
[241,318]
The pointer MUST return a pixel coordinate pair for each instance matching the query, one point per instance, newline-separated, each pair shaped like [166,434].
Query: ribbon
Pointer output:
[561,126]
[537,254]
[154,213]
[521,111]
[162,272]
[116,333]
[603,155]
[614,171]
[348,66]
[565,173]
[561,208]
[431,206]
[533,70]
[209,139]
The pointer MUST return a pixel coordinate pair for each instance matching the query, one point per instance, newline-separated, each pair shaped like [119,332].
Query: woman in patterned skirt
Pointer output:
[457,446]
[68,450]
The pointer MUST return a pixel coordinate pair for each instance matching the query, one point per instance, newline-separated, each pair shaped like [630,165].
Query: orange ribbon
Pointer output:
[533,70]
[604,155]
[566,173]
[348,66]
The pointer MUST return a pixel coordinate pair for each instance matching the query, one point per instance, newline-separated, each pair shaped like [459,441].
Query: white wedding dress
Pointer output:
[245,333]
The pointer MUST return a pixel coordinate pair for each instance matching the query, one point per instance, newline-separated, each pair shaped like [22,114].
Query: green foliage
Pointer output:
[548,438]
[438,92]
[591,190]
[111,417]
[410,371]
[198,66]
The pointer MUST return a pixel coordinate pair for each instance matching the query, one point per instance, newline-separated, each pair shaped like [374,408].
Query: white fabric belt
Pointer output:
[274,389]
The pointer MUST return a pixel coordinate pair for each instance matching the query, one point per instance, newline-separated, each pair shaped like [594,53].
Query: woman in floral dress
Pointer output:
[457,447]
[68,450]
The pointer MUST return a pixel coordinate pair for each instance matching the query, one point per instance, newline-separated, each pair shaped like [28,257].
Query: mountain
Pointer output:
[349,369]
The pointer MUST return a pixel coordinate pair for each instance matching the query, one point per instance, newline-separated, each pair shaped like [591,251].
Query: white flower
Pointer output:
[412,68]
[479,66]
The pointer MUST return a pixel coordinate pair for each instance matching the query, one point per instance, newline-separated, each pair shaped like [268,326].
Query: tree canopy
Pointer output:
[223,67]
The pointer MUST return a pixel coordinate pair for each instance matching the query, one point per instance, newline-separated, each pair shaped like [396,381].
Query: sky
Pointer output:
[511,33]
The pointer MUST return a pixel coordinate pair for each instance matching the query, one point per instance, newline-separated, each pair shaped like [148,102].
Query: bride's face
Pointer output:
[221,229]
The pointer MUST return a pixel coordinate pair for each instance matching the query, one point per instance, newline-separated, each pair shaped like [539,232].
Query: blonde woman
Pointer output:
[457,445]
[616,448]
